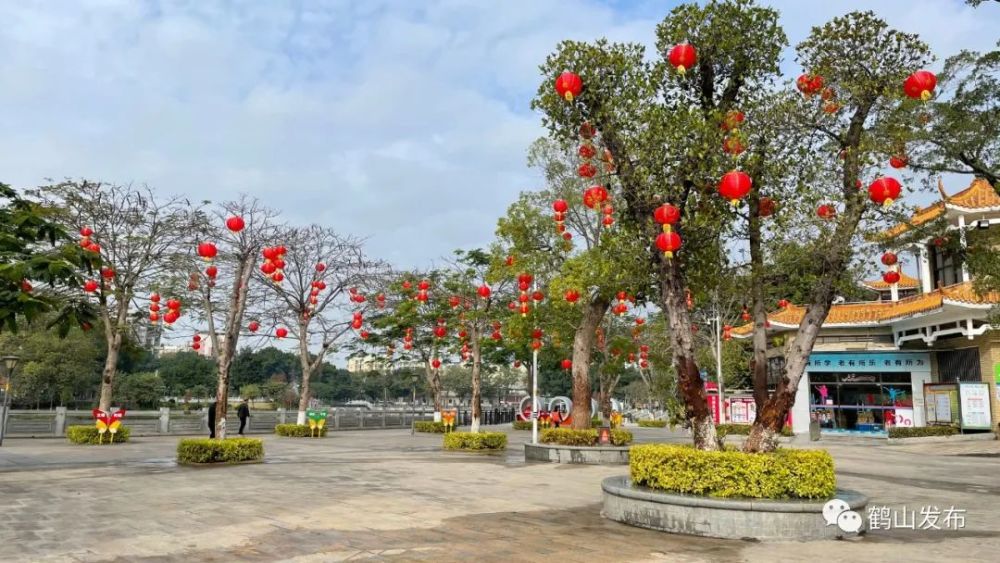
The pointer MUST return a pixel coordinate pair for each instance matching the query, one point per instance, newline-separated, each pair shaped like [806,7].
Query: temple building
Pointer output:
[923,354]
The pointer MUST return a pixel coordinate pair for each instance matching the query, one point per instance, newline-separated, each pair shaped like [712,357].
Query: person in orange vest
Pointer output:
[556,417]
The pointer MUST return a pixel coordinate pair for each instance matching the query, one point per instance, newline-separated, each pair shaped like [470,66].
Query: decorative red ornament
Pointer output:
[568,86]
[26,286]
[538,296]
[668,243]
[207,250]
[424,285]
[484,291]
[364,334]
[572,295]
[608,221]
[281,332]
[734,186]
[277,277]
[567,364]
[809,84]
[510,261]
[587,151]
[512,306]
[525,308]
[171,317]
[733,145]
[154,317]
[666,215]
[268,268]
[682,57]
[235,223]
[269,252]
[920,85]
[826,211]
[517,363]
[279,264]
[254,326]
[211,272]
[107,273]
[525,278]
[440,331]
[891,277]
[94,247]
[587,131]
[321,267]
[435,363]
[86,231]
[644,364]
[766,207]
[783,303]
[196,338]
[407,284]
[567,235]
[594,196]
[831,106]
[890,259]
[884,190]
[587,170]
[173,304]
[536,344]
[745,315]
[90,286]
[734,118]
[898,161]
[196,346]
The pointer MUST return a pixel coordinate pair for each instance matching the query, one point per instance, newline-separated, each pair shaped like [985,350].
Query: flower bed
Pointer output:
[588,437]
[784,474]
[652,423]
[724,430]
[298,431]
[89,435]
[207,450]
[522,425]
[919,432]
[475,441]
[429,426]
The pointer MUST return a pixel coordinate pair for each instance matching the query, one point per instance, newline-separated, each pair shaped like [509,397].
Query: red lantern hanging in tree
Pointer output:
[207,251]
[667,215]
[766,207]
[682,57]
[560,206]
[268,268]
[537,296]
[536,344]
[920,85]
[321,267]
[809,84]
[90,286]
[734,186]
[884,190]
[571,295]
[440,331]
[454,301]
[567,364]
[587,170]
[484,291]
[891,277]
[668,243]
[745,315]
[254,326]
[107,273]
[86,231]
[171,317]
[587,130]
[890,259]
[826,211]
[436,363]
[733,120]
[783,303]
[424,285]
[587,151]
[211,272]
[281,332]
[898,161]
[235,223]
[568,86]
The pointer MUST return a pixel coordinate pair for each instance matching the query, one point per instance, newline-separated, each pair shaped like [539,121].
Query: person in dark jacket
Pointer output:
[211,420]
[244,413]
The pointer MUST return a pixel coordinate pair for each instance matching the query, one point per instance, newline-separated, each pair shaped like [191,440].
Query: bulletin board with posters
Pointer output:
[941,404]
[974,402]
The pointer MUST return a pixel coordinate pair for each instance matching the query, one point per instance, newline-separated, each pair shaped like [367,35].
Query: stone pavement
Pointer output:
[387,494]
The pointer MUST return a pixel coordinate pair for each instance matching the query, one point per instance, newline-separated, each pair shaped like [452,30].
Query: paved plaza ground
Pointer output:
[390,495]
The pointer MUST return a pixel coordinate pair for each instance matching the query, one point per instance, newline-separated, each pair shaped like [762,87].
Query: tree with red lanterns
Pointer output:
[321,296]
[134,240]
[224,250]
[678,162]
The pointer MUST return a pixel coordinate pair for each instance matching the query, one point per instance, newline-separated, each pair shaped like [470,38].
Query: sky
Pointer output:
[403,122]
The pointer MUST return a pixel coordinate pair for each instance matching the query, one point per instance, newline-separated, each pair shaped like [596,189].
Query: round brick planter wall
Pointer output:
[722,518]
[585,455]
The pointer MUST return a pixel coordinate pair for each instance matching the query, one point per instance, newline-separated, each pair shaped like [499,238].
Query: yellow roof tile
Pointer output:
[905,282]
[979,195]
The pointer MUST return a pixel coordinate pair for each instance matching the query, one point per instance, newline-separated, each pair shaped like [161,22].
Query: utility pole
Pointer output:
[534,382]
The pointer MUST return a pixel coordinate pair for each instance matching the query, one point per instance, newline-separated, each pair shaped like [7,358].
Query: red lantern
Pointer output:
[510,261]
[173,304]
[640,321]
[196,338]
[643,364]
[831,107]
[211,272]
[826,212]
[517,363]
[682,57]
[567,235]
[153,307]
[809,84]
[254,326]
[733,145]
[94,247]
[171,317]
[898,161]
[525,278]
[920,85]
[154,317]
[155,298]
[890,277]
[235,224]
[733,120]
[107,273]
[587,170]
[569,86]
[424,285]
[86,231]
[484,291]
[734,186]
[536,344]
[608,221]
[281,332]
[572,295]
[496,335]
[196,346]
[207,250]
[666,215]
[320,285]
[278,277]
[364,334]
[90,286]
[560,206]
[884,190]
[268,268]
[567,364]
[512,306]
[454,301]
[783,303]
[890,259]
[436,363]
[668,243]
[440,331]
[766,207]
[538,296]
[587,131]
[586,151]
[279,264]
[525,308]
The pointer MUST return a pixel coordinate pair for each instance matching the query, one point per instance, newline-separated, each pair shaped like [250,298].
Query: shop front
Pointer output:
[862,392]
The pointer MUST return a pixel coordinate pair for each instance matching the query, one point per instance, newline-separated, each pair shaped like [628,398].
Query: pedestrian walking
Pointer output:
[211,420]
[244,413]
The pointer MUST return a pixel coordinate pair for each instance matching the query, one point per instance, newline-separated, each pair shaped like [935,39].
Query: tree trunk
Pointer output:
[110,369]
[306,372]
[689,383]
[759,375]
[434,384]
[583,345]
[227,350]
[605,400]
[477,391]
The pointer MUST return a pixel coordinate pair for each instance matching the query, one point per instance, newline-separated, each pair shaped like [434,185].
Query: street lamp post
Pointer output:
[9,364]
[718,368]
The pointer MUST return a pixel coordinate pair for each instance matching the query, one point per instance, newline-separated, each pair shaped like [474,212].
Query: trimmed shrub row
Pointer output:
[297,431]
[429,426]
[918,432]
[723,430]
[588,437]
[522,425]
[230,450]
[652,423]
[475,441]
[80,434]
[804,474]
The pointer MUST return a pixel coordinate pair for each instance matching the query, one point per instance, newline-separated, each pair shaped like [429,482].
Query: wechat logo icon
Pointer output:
[838,512]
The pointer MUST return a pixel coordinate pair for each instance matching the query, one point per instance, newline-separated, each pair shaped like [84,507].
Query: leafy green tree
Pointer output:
[250,392]
[183,371]
[260,365]
[57,371]
[140,390]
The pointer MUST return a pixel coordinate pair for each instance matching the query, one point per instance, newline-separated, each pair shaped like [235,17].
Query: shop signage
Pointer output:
[869,362]
[855,378]
[903,418]
[975,401]
[742,410]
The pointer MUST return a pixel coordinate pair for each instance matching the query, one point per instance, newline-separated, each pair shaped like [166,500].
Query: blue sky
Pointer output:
[405,122]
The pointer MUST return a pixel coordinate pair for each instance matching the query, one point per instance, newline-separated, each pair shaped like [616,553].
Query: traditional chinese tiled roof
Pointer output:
[979,196]
[905,282]
[879,312]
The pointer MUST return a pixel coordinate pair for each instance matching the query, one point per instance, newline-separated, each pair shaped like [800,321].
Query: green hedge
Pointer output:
[588,437]
[785,473]
[652,423]
[230,450]
[722,430]
[297,431]
[475,441]
[922,431]
[429,426]
[89,435]
[522,425]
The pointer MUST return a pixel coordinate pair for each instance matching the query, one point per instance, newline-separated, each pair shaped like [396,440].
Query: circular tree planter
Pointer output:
[759,519]
[584,455]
